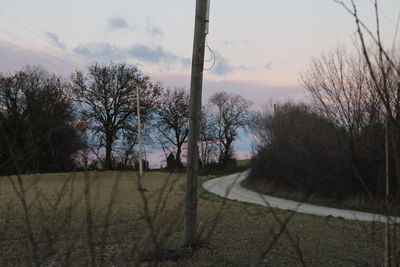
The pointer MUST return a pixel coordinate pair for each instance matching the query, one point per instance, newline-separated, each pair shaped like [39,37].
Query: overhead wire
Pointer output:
[212,56]
[27,53]
[23,49]
[395,25]
[395,33]
[33,55]
[38,35]
[386,16]
[23,26]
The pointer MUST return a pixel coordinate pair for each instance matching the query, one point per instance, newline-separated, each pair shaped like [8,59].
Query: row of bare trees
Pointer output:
[336,145]
[221,118]
[354,119]
[361,92]
[90,120]
[344,94]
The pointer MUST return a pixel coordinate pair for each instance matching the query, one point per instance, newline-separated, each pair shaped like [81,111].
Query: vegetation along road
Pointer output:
[229,187]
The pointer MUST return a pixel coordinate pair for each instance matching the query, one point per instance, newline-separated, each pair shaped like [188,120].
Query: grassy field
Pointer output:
[99,218]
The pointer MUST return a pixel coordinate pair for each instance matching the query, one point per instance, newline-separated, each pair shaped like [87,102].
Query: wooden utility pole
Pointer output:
[196,83]
[387,256]
[139,133]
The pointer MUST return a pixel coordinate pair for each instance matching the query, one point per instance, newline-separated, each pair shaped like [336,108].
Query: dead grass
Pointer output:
[243,163]
[356,202]
[58,210]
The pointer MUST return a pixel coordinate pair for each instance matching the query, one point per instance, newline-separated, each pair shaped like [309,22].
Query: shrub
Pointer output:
[304,152]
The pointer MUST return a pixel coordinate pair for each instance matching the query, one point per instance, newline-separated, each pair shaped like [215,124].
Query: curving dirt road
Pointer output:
[229,187]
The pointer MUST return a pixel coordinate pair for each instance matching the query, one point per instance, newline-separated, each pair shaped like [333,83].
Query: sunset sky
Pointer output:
[261,46]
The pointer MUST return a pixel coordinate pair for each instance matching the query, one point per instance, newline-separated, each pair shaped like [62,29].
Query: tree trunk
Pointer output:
[396,158]
[227,157]
[355,174]
[178,157]
[108,162]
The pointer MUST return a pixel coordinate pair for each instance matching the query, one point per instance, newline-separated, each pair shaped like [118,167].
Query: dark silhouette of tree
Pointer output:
[340,90]
[231,113]
[108,102]
[171,163]
[208,140]
[303,151]
[37,119]
[172,120]
[145,164]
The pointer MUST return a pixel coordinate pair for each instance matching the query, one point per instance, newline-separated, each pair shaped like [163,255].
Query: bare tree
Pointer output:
[108,95]
[340,91]
[125,148]
[231,113]
[383,69]
[38,116]
[172,120]
[208,138]
[259,124]
[128,139]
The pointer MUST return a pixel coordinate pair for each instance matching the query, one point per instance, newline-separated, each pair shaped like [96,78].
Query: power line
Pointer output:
[38,35]
[34,55]
[397,27]
[13,36]
[23,26]
[212,57]
[25,50]
[386,17]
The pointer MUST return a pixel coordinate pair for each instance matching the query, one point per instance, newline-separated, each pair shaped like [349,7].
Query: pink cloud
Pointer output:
[14,58]
[258,93]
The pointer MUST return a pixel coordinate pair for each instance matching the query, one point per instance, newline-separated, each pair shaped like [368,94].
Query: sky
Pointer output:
[260,46]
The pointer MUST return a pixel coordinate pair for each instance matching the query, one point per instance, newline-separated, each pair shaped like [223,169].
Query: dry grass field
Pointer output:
[101,218]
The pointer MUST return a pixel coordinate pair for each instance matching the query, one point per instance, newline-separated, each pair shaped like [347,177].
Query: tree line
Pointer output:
[50,124]
[345,142]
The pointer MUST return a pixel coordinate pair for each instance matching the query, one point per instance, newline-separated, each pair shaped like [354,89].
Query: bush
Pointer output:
[304,152]
[37,123]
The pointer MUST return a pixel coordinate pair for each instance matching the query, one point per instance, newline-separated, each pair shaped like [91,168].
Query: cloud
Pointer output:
[153,30]
[258,93]
[119,23]
[104,51]
[153,54]
[14,58]
[55,40]
[222,65]
[245,68]
[268,66]
[156,55]
[186,61]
